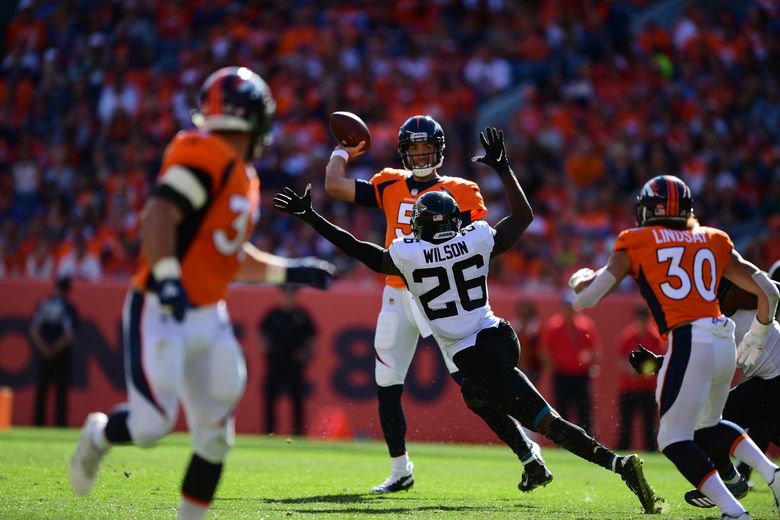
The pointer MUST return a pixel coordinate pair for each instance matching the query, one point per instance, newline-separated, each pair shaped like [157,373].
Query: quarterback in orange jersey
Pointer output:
[421,146]
[678,266]
[179,344]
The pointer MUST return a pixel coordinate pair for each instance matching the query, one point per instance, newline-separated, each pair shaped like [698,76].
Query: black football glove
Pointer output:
[289,202]
[173,297]
[495,156]
[310,271]
[644,361]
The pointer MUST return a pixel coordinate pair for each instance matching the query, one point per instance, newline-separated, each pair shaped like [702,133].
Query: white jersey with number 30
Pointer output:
[449,283]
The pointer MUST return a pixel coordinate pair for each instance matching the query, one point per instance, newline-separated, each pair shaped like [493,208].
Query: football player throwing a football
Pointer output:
[445,267]
[752,404]
[421,146]
[178,341]
[678,265]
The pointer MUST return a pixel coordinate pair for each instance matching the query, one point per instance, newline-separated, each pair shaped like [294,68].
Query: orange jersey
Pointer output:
[678,272]
[209,239]
[396,192]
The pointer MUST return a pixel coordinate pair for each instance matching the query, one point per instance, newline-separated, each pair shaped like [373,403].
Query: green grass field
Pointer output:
[272,477]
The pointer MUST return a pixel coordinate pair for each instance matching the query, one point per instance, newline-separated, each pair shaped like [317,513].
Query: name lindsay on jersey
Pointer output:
[445,252]
[662,236]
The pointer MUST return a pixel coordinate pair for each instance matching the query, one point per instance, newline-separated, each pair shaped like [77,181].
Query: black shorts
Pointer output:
[755,402]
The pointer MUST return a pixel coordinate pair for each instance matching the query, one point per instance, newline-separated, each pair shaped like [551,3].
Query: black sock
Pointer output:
[573,438]
[116,428]
[391,417]
[201,479]
[690,461]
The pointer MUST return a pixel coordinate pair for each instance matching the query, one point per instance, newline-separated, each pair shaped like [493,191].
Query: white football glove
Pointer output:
[580,275]
[752,344]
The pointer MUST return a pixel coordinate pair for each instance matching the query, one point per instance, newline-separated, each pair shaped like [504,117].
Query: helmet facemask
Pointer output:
[421,129]
[435,217]
[408,158]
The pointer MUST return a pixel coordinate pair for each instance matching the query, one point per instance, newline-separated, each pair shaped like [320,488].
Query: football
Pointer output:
[349,129]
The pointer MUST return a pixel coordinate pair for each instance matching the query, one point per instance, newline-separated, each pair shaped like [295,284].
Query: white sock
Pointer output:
[99,439]
[400,464]
[713,487]
[189,510]
[746,450]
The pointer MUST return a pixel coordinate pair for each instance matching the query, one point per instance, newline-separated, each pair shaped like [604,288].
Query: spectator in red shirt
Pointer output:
[570,348]
[637,391]
[527,325]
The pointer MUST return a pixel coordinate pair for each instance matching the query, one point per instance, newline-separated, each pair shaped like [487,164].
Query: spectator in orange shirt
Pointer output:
[570,348]
[637,391]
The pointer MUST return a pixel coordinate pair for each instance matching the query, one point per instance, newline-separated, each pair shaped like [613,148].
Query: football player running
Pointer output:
[678,266]
[752,404]
[421,145]
[177,337]
[445,268]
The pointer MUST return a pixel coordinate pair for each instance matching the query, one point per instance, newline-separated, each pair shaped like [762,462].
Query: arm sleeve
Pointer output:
[364,194]
[366,252]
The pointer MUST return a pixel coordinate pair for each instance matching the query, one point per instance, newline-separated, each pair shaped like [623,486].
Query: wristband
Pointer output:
[167,267]
[759,329]
[275,273]
[340,153]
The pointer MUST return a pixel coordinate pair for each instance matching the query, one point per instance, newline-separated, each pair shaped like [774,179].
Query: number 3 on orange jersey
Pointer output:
[240,206]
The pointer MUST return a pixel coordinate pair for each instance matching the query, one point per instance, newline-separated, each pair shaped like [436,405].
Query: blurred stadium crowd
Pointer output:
[92,90]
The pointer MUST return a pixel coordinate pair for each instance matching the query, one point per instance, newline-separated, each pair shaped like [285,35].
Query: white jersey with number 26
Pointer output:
[449,283]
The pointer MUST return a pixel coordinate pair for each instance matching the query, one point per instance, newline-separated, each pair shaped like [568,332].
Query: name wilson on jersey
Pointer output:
[441,253]
[662,236]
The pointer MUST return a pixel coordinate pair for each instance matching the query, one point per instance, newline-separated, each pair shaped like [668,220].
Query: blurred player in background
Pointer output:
[446,267]
[399,325]
[752,404]
[678,266]
[178,340]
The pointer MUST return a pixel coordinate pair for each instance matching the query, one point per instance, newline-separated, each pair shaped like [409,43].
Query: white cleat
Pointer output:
[743,516]
[85,461]
[396,482]
[775,487]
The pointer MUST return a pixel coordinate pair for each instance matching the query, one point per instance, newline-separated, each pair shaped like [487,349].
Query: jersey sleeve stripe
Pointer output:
[165,191]
[380,189]
[183,181]
[364,194]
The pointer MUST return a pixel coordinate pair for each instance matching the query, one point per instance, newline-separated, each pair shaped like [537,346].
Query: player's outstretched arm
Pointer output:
[510,228]
[337,184]
[374,257]
[260,266]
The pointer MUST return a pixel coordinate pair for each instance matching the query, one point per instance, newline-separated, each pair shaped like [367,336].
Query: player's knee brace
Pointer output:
[227,375]
[386,373]
[148,432]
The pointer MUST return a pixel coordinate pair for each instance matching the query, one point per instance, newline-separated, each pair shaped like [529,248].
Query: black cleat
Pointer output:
[698,499]
[535,475]
[630,469]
